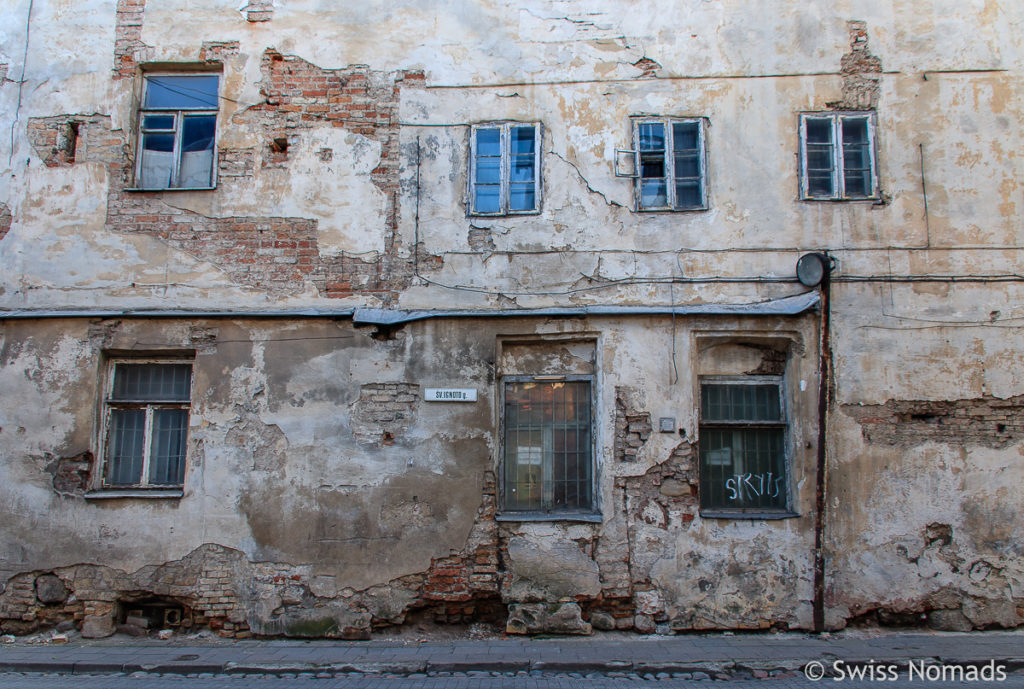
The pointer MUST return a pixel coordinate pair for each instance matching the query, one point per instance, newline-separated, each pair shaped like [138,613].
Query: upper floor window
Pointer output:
[669,164]
[837,154]
[147,410]
[177,132]
[504,169]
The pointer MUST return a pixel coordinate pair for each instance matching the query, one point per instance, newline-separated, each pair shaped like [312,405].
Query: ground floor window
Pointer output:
[147,410]
[743,444]
[548,446]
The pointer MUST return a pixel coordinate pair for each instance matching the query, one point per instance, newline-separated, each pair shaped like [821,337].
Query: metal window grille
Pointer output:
[178,132]
[548,456]
[742,445]
[147,424]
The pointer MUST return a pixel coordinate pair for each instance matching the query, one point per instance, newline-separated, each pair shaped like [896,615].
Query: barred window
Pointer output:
[147,424]
[548,456]
[742,445]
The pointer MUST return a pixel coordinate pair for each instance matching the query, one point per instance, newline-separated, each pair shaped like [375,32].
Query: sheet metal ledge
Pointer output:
[787,306]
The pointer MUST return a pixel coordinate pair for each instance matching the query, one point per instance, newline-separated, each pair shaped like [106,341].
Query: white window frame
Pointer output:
[838,164]
[783,424]
[633,154]
[179,116]
[505,173]
[110,404]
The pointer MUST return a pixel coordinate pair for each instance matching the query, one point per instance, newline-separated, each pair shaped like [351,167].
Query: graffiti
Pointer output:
[743,487]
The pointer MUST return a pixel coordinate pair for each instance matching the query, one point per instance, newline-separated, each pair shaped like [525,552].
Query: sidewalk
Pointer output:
[713,654]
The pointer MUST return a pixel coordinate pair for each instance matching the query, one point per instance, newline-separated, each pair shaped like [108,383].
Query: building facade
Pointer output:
[316,321]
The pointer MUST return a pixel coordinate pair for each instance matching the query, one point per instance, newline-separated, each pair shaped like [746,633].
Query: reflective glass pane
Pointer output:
[547,446]
[522,168]
[152,382]
[685,136]
[487,198]
[725,402]
[688,195]
[687,165]
[488,170]
[125,445]
[651,136]
[488,142]
[653,193]
[167,450]
[156,169]
[818,131]
[742,468]
[523,140]
[819,184]
[521,197]
[197,152]
[182,92]
[857,182]
[158,122]
[819,158]
[855,130]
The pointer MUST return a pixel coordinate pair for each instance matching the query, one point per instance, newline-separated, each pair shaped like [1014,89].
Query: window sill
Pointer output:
[737,514]
[700,209]
[591,517]
[852,199]
[507,214]
[138,189]
[143,493]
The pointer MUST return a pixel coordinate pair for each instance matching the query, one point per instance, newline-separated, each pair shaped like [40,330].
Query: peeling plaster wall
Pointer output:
[342,162]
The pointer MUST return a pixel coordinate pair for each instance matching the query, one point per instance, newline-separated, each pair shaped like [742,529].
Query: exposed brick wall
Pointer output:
[861,72]
[281,255]
[128,37]
[632,427]
[63,140]
[5,219]
[986,421]
[384,411]
[259,10]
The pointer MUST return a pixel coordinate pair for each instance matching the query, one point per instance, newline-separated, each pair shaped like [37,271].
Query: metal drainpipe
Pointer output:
[821,479]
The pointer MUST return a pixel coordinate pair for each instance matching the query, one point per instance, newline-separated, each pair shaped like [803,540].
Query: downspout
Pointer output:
[821,475]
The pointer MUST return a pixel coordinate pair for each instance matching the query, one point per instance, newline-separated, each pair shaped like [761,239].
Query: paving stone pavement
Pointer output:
[697,656]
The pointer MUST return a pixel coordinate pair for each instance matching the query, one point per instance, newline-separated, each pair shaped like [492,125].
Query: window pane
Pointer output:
[185,92]
[152,382]
[521,197]
[167,451]
[685,136]
[652,193]
[157,165]
[687,165]
[125,446]
[197,153]
[688,195]
[742,468]
[819,184]
[856,157]
[651,136]
[488,170]
[523,140]
[652,165]
[522,168]
[547,446]
[158,122]
[739,402]
[487,198]
[488,142]
[818,131]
